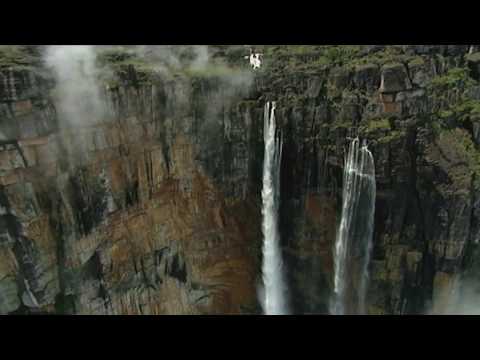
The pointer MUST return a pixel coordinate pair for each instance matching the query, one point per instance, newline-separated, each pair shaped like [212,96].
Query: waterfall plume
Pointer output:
[78,96]
[354,237]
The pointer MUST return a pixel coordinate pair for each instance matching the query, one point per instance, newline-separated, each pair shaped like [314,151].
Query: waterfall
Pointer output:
[274,289]
[354,237]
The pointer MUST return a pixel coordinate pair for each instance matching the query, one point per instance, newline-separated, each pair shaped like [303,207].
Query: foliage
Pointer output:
[15,56]
[455,78]
[380,124]
[468,109]
[458,146]
[308,58]
[210,71]
[114,55]
[388,54]
[416,61]
[452,103]
[381,131]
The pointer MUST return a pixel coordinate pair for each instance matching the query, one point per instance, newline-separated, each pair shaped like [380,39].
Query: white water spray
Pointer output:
[354,238]
[77,95]
[274,292]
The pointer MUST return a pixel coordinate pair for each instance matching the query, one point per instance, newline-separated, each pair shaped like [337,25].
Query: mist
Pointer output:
[77,93]
[461,298]
[231,83]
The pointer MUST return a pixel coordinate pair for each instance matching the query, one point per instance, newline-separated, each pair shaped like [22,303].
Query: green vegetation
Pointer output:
[391,136]
[475,57]
[375,128]
[454,106]
[416,61]
[15,56]
[463,111]
[331,53]
[308,58]
[119,62]
[210,71]
[342,54]
[389,54]
[450,123]
[381,131]
[458,147]
[232,54]
[114,55]
[381,124]
[456,78]
[280,51]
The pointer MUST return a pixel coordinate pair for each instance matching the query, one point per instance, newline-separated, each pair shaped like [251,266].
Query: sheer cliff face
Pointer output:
[143,211]
[154,207]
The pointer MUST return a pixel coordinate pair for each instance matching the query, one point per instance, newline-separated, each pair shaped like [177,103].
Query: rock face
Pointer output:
[144,213]
[419,121]
[156,209]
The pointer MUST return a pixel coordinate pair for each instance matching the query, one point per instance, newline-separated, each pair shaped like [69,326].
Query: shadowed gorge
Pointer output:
[132,178]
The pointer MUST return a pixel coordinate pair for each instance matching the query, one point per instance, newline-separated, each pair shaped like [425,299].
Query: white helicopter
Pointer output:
[255,60]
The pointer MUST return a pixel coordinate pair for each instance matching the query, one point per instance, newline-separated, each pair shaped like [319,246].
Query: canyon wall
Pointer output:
[155,208]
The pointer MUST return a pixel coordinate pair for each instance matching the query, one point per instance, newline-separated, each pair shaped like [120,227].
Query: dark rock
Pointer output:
[371,49]
[473,62]
[394,78]
[339,79]
[367,77]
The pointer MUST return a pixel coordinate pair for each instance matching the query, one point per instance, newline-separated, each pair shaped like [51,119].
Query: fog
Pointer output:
[462,297]
[77,95]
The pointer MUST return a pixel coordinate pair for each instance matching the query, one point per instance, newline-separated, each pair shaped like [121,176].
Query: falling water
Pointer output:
[354,237]
[274,299]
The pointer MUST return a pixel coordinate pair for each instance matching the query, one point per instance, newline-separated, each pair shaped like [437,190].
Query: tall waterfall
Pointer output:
[274,288]
[354,237]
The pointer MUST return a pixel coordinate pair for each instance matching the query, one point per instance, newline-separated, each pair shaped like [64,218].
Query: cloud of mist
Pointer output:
[231,83]
[78,97]
[200,89]
[462,297]
[201,58]
[232,86]
[468,303]
[77,94]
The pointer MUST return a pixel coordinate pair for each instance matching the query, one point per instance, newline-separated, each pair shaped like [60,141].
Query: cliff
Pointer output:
[155,207]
